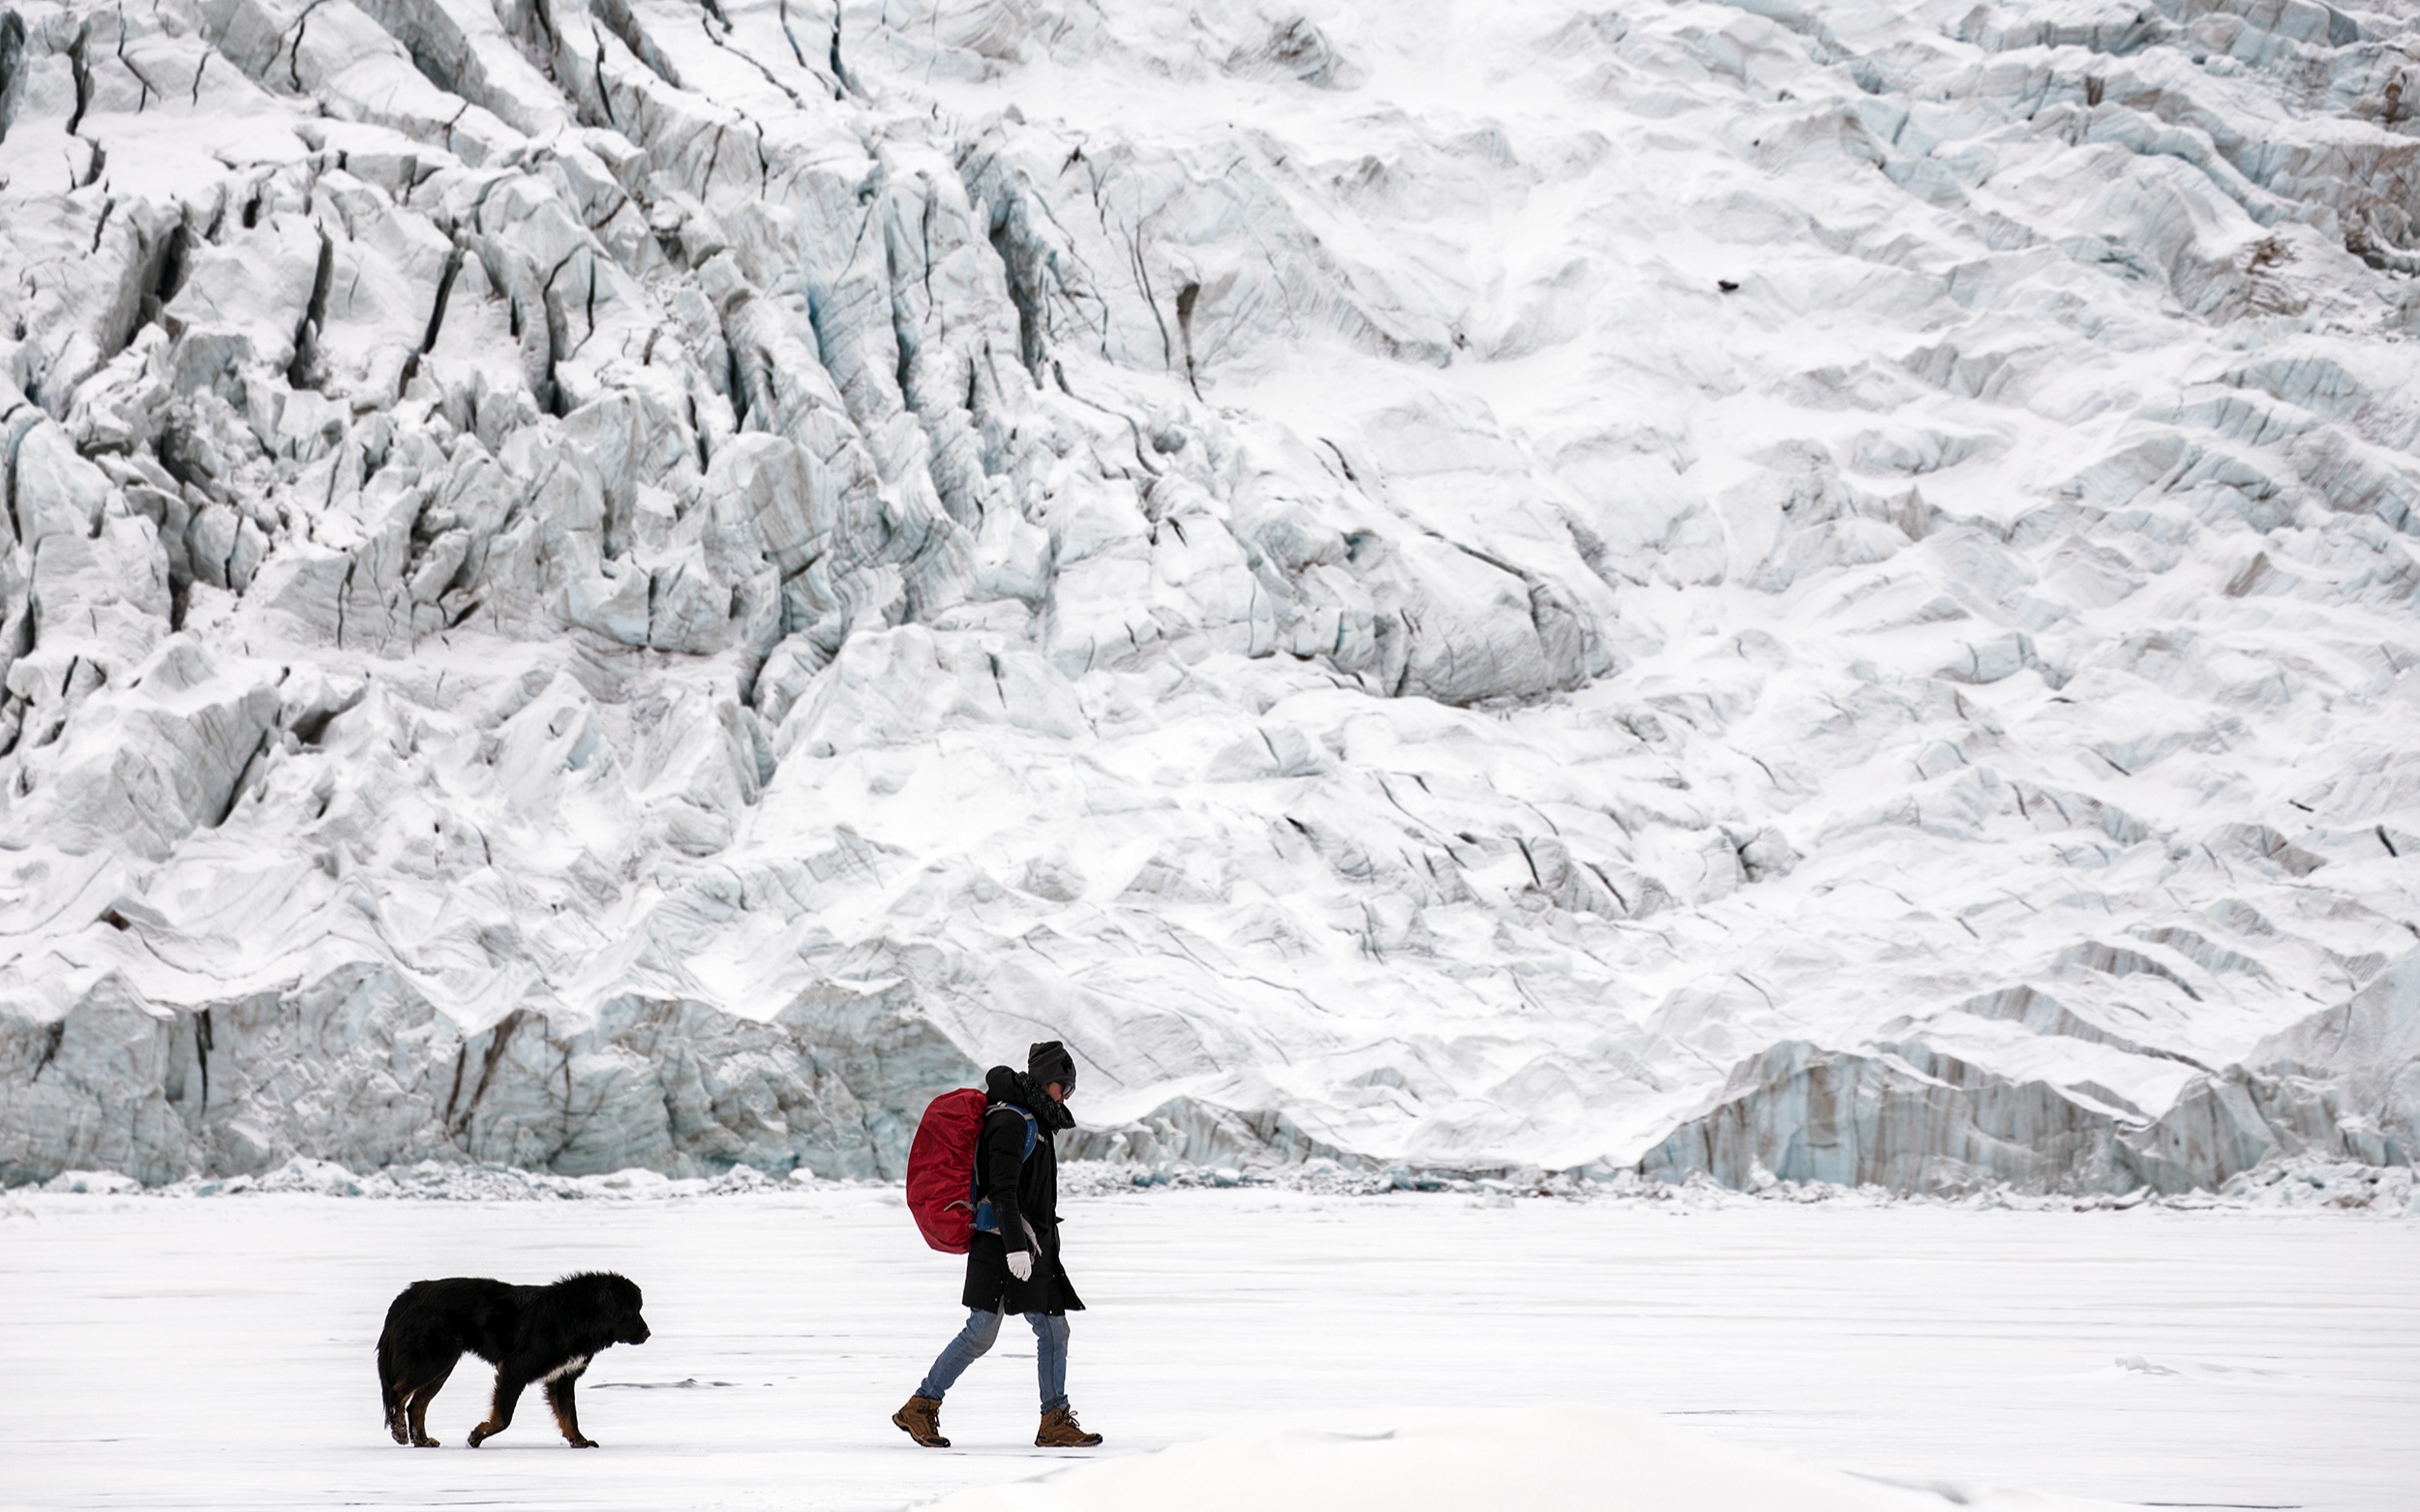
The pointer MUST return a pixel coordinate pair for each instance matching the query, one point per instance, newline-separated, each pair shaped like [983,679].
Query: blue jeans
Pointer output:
[974,1341]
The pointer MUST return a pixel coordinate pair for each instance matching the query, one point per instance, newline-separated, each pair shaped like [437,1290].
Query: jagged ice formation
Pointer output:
[1813,591]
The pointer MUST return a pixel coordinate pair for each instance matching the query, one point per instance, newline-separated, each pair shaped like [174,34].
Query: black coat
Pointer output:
[1024,1196]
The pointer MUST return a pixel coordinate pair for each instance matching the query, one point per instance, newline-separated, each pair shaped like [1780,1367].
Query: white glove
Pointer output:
[1021,1264]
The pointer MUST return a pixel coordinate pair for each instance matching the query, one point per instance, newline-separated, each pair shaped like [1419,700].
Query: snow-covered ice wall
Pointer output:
[1797,590]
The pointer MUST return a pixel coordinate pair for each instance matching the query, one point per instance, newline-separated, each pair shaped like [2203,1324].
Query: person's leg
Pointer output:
[921,1418]
[972,1344]
[1050,1358]
[1059,1428]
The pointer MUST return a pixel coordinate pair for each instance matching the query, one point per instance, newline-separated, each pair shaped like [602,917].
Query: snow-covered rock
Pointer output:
[1804,591]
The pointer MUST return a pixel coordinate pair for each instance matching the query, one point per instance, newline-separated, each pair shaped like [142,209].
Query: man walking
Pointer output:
[1012,1263]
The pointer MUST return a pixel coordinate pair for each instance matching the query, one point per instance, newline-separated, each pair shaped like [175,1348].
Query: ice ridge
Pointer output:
[1793,591]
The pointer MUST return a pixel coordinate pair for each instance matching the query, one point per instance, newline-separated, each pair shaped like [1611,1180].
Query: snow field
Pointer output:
[1810,589]
[217,1353]
[1560,1458]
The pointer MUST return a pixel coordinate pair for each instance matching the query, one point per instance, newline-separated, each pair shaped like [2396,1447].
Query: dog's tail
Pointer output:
[388,1399]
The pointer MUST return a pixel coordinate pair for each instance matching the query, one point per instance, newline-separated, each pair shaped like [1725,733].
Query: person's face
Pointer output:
[1057,1091]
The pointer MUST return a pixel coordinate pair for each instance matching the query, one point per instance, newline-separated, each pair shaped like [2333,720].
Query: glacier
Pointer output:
[1776,591]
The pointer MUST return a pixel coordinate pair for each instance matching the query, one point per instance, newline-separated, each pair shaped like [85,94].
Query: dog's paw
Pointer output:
[425,1442]
[479,1435]
[396,1431]
[584,1444]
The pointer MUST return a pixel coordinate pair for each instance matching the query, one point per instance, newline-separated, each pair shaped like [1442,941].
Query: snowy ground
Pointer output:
[159,1352]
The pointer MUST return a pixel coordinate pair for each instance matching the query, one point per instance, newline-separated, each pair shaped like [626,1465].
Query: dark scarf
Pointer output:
[1020,1090]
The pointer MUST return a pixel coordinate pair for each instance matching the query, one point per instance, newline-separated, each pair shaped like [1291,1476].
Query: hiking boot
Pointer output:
[1060,1431]
[921,1420]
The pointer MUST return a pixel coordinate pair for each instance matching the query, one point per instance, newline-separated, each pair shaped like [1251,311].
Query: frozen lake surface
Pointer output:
[217,1352]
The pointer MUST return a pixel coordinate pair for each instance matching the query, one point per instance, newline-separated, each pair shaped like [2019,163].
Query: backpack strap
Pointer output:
[985,1219]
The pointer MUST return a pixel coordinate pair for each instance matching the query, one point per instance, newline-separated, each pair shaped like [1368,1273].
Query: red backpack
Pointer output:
[941,1186]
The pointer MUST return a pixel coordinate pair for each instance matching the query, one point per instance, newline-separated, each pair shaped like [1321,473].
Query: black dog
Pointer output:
[529,1333]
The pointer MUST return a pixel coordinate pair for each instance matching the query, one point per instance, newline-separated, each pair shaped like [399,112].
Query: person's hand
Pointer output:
[1021,1264]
